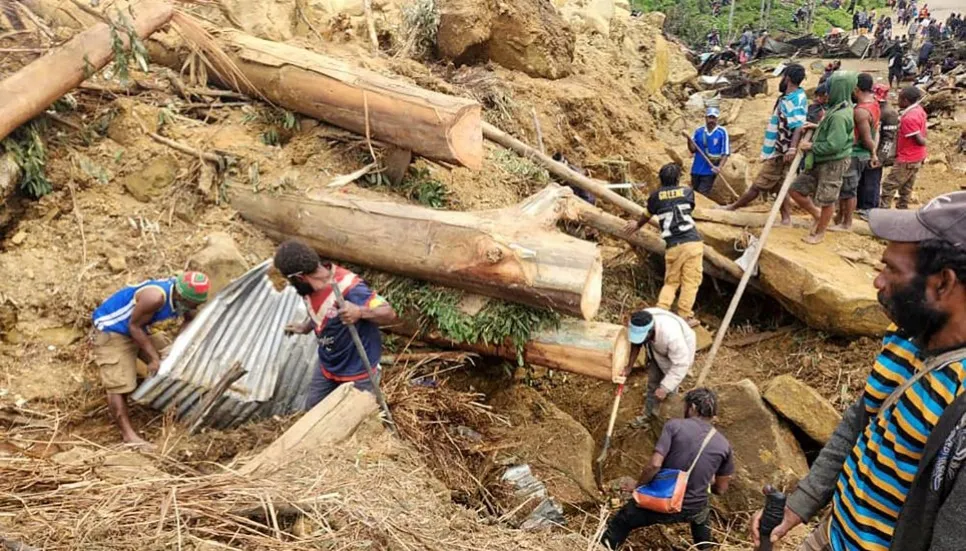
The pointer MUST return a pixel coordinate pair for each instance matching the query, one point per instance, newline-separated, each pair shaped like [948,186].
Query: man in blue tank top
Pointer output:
[339,360]
[122,323]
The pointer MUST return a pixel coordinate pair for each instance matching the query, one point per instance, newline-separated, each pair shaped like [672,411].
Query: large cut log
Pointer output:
[746,219]
[434,125]
[330,422]
[31,90]
[716,264]
[588,348]
[514,253]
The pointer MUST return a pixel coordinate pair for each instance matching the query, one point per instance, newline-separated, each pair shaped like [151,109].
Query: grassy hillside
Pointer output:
[691,20]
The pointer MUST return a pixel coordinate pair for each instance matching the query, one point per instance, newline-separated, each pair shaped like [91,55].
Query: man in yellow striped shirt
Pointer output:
[890,470]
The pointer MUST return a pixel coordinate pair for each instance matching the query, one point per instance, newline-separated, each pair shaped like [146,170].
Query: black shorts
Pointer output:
[702,184]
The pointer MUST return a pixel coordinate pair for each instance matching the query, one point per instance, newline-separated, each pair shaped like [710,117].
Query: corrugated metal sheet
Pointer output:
[245,322]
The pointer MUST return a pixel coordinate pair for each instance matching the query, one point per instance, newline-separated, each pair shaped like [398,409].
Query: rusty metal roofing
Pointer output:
[244,322]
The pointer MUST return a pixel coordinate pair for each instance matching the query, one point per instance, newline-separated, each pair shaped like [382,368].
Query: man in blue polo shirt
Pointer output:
[713,141]
[339,361]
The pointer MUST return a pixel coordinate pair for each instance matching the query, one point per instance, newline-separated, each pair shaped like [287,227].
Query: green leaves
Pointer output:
[27,145]
[438,308]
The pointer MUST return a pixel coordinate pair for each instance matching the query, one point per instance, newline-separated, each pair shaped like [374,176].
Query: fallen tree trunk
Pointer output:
[434,125]
[757,219]
[716,264]
[588,348]
[561,170]
[330,422]
[514,253]
[31,90]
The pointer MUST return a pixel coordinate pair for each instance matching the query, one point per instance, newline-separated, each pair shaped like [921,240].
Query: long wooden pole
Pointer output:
[746,277]
[31,90]
[707,160]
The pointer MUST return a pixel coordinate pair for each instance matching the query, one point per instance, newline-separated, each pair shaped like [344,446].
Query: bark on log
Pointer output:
[434,125]
[514,253]
[588,348]
[31,90]
[757,220]
[330,422]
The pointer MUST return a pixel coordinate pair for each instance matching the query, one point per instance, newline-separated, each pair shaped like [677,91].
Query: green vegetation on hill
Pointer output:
[691,20]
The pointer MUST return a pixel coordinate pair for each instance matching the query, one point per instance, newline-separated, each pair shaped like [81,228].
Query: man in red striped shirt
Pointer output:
[339,361]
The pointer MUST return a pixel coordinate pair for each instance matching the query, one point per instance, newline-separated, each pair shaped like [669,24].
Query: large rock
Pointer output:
[803,407]
[588,15]
[153,180]
[559,450]
[765,451]
[828,286]
[525,35]
[268,19]
[220,260]
[131,120]
[738,176]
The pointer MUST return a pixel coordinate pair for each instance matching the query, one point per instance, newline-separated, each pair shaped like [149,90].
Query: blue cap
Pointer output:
[640,327]
[712,112]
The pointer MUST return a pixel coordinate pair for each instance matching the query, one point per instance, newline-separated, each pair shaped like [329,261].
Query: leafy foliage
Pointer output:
[123,56]
[437,308]
[27,145]
[418,185]
[420,26]
[691,20]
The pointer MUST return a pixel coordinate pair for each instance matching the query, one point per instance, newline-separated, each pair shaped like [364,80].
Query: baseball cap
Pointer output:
[942,218]
[881,92]
[712,112]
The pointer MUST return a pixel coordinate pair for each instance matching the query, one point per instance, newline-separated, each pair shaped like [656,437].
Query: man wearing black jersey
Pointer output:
[683,259]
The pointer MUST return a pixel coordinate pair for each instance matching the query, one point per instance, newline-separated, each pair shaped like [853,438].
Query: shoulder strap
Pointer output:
[934,363]
[704,445]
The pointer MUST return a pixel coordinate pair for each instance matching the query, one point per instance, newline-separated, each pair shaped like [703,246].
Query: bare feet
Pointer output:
[692,321]
[814,238]
[786,221]
[840,227]
[730,207]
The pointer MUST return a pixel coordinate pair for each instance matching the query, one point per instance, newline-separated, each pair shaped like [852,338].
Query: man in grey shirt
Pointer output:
[678,448]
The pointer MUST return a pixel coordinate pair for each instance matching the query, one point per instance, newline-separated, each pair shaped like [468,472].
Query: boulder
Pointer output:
[153,180]
[268,19]
[765,451]
[131,120]
[589,15]
[680,69]
[803,407]
[220,260]
[829,286]
[528,35]
[464,30]
[738,175]
[657,75]
[559,450]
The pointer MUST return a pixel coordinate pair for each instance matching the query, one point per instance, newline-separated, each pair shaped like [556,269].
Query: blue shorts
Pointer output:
[321,386]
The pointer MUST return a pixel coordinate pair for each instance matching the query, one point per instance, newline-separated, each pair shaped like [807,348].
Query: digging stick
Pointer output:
[373,374]
[610,432]
[743,284]
[707,160]
[536,126]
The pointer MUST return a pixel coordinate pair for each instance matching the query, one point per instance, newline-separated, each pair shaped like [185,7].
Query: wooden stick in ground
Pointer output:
[210,157]
[235,372]
[707,160]
[756,254]
[371,25]
[536,127]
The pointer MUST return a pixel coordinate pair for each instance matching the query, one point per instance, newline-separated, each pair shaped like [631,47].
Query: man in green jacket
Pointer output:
[828,156]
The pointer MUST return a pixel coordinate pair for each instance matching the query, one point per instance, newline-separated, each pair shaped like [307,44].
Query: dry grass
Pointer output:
[372,492]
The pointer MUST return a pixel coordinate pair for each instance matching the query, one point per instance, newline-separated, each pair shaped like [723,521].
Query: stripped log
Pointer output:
[330,422]
[745,219]
[515,253]
[31,90]
[431,124]
[588,348]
